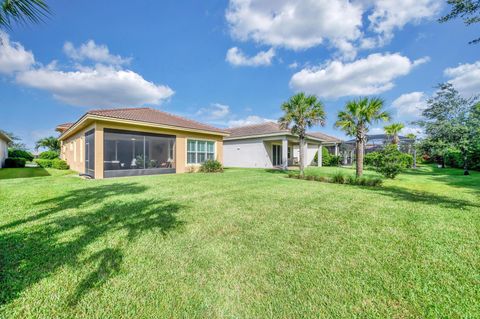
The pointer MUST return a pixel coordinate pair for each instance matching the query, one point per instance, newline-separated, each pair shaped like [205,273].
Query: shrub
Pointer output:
[293,175]
[44,163]
[335,160]
[48,155]
[211,166]
[60,164]
[339,178]
[17,153]
[390,161]
[310,177]
[371,159]
[15,162]
[390,170]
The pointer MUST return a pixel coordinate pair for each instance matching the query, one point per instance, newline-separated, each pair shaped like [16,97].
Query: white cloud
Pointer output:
[465,78]
[13,56]
[293,65]
[302,24]
[106,84]
[389,15]
[103,86]
[91,51]
[372,75]
[411,130]
[215,111]
[410,105]
[236,57]
[249,120]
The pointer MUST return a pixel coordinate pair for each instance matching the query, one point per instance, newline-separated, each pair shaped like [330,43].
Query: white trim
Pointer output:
[201,140]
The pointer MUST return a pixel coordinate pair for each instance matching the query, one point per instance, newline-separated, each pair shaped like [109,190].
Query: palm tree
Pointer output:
[412,149]
[356,118]
[51,143]
[302,112]
[392,130]
[22,11]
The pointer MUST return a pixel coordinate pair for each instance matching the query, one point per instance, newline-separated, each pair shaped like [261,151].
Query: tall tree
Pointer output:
[393,130]
[468,10]
[300,113]
[449,122]
[412,147]
[51,143]
[22,11]
[16,141]
[355,120]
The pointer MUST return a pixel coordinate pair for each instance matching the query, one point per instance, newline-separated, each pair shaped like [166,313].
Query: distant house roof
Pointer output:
[325,137]
[5,137]
[63,127]
[272,128]
[146,115]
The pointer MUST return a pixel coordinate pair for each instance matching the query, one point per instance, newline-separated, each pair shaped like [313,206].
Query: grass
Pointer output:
[28,172]
[242,244]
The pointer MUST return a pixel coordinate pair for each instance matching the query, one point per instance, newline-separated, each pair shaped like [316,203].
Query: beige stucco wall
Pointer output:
[73,153]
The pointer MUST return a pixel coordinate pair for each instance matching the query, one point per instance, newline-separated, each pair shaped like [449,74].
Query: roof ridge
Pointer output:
[251,125]
[118,109]
[187,119]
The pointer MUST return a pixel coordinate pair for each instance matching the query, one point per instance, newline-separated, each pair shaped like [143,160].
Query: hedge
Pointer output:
[48,155]
[55,163]
[16,153]
[15,162]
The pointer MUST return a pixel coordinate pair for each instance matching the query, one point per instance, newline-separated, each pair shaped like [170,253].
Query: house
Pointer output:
[266,145]
[137,141]
[4,140]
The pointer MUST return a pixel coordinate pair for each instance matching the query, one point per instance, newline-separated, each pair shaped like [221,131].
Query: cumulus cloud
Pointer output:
[389,15]
[372,75]
[465,78]
[302,24]
[95,52]
[249,120]
[106,84]
[236,57]
[98,86]
[13,56]
[215,111]
[410,105]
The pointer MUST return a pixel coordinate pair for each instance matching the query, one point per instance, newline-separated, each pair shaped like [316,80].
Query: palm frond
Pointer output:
[22,11]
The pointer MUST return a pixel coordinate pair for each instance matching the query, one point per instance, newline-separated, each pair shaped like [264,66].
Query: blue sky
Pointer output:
[229,62]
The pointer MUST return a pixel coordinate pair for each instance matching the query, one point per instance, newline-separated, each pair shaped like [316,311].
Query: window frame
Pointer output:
[196,152]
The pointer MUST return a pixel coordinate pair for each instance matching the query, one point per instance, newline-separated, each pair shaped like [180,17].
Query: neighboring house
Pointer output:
[4,140]
[266,145]
[137,141]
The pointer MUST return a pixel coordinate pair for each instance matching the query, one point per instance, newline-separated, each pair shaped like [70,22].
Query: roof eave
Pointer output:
[88,116]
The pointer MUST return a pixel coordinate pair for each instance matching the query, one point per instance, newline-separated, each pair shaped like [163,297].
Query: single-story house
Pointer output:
[4,140]
[266,145]
[137,141]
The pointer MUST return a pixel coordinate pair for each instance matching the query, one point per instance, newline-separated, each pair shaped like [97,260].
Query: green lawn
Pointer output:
[242,244]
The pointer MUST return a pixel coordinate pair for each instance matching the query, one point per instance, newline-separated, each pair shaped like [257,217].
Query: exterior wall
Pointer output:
[3,152]
[72,150]
[71,154]
[248,153]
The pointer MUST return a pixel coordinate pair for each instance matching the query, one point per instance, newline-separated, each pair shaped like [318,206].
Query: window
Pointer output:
[199,151]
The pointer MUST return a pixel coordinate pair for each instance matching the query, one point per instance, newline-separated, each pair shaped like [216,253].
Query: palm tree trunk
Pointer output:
[360,144]
[301,154]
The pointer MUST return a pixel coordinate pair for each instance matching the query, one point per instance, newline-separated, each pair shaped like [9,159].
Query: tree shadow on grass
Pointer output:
[402,194]
[61,236]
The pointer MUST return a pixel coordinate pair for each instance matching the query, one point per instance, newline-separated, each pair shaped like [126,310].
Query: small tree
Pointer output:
[51,143]
[300,113]
[393,130]
[468,10]
[355,120]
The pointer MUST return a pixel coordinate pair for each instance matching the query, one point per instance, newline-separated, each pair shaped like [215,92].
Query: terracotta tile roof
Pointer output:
[149,115]
[63,127]
[268,128]
[325,137]
[256,129]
